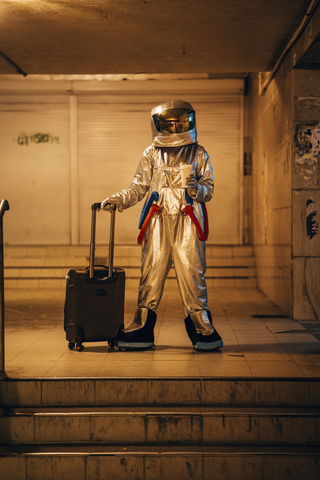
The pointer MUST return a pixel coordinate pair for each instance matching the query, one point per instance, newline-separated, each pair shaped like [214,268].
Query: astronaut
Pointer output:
[173,226]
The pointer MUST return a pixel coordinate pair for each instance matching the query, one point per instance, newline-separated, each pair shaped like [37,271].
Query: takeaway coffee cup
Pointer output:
[185,171]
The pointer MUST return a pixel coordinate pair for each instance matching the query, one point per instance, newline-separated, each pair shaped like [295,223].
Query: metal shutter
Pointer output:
[113,132]
[91,148]
[34,135]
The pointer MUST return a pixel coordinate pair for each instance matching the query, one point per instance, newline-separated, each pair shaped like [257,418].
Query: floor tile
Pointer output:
[222,368]
[177,369]
[275,369]
[253,347]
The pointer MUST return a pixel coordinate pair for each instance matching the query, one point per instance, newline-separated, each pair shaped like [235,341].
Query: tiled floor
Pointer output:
[258,341]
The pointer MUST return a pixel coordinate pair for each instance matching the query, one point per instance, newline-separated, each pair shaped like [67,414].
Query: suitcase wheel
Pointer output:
[71,345]
[80,347]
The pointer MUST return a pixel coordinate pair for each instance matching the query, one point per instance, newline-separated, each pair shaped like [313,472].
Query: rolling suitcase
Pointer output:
[94,304]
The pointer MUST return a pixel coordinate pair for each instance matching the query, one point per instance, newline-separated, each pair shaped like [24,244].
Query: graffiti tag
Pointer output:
[312,222]
[307,152]
[24,139]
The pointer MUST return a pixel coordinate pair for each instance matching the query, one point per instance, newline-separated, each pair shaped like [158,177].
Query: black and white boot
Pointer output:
[202,334]
[139,335]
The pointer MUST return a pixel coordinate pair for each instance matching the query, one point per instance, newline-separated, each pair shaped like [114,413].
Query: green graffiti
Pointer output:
[24,139]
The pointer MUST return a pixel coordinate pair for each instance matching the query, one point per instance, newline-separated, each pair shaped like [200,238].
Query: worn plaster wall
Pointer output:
[286,198]
[306,194]
[286,178]
[271,151]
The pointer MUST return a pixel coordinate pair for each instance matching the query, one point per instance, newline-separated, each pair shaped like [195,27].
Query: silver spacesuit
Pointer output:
[173,225]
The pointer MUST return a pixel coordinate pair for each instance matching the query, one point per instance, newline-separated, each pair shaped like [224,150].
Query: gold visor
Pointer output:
[174,120]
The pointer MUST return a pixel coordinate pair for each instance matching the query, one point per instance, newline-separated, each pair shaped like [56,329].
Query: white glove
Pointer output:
[109,203]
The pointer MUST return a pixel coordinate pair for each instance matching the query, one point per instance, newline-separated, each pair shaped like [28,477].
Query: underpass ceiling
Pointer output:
[218,37]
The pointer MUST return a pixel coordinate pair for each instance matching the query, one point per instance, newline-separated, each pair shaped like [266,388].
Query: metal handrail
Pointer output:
[4,206]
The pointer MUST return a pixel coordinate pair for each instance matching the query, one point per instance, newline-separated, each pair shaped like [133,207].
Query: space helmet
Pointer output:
[173,124]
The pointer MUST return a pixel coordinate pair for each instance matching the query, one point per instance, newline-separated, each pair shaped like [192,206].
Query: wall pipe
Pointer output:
[306,19]
[14,65]
[4,206]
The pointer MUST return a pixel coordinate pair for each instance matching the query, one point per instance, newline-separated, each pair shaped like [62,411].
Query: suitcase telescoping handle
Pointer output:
[96,207]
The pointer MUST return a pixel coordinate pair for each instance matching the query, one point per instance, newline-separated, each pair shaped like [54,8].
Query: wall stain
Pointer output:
[189,469]
[307,295]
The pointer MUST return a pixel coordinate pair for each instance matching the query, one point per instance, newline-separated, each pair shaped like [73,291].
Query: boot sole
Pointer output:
[206,347]
[134,345]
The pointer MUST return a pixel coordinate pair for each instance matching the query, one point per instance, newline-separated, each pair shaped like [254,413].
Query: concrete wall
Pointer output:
[271,150]
[285,128]
[306,194]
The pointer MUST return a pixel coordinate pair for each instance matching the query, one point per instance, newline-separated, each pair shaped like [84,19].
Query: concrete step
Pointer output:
[60,284]
[127,251]
[159,428]
[151,392]
[154,426]
[125,255]
[47,266]
[154,463]
[131,272]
